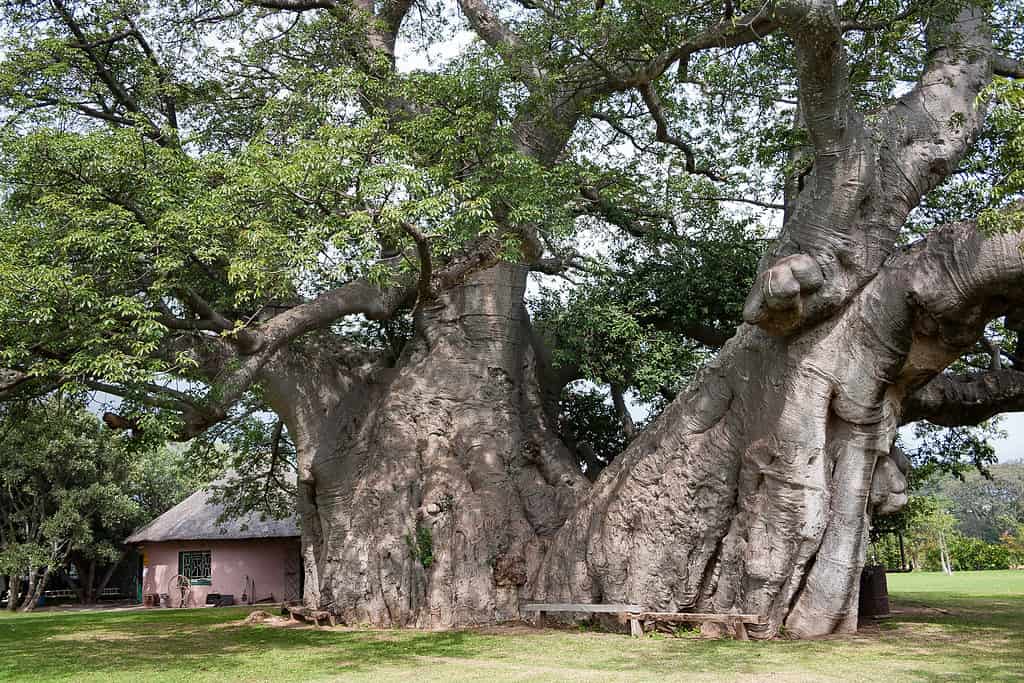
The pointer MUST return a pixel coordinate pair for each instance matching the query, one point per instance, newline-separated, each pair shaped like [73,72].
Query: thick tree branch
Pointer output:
[488,25]
[954,400]
[825,101]
[394,13]
[931,128]
[619,402]
[1007,66]
[835,240]
[11,379]
[961,279]
[359,297]
[819,261]
[424,287]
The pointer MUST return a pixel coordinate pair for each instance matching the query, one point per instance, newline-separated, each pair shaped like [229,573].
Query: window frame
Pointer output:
[203,581]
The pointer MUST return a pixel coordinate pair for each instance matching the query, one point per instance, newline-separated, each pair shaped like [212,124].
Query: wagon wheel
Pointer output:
[182,587]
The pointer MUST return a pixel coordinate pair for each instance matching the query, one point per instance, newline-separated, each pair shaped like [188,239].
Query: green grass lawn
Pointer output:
[966,627]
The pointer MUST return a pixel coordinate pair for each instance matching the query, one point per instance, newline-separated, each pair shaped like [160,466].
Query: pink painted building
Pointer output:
[250,559]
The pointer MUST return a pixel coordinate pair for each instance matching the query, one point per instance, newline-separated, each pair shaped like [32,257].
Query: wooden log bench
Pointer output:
[624,612]
[307,614]
[636,615]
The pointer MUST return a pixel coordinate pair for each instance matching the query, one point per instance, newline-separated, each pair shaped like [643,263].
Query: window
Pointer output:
[195,564]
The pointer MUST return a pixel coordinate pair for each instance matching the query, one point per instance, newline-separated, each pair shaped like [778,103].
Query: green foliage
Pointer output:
[1007,122]
[951,450]
[66,486]
[980,516]
[263,184]
[421,546]
[633,321]
[71,490]
[929,529]
[589,422]
[975,554]
[986,506]
[249,463]
[155,152]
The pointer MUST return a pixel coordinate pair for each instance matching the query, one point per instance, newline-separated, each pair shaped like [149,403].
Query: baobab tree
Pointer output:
[214,206]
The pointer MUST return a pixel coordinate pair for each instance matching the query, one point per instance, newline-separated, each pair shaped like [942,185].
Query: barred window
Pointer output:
[195,564]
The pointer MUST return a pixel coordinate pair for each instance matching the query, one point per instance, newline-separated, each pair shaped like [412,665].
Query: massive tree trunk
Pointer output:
[430,491]
[753,492]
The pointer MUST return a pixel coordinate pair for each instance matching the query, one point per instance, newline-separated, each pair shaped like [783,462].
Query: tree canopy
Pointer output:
[788,226]
[182,176]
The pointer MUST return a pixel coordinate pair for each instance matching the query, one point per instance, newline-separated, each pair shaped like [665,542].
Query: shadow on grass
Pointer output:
[71,646]
[934,637]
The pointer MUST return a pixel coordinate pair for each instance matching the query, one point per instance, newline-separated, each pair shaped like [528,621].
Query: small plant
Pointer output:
[422,546]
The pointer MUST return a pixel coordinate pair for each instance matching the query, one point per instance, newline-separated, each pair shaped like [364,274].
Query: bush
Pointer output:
[972,553]
[885,551]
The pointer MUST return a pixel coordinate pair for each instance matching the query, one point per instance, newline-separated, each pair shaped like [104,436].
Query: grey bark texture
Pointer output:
[752,492]
[431,500]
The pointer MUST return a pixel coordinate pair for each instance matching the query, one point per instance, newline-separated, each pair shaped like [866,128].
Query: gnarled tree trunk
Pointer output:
[430,492]
[753,492]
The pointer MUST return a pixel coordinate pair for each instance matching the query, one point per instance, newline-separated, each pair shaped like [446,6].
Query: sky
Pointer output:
[1012,447]
[1008,449]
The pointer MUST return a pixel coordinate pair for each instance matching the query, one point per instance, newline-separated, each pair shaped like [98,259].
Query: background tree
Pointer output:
[214,205]
[71,491]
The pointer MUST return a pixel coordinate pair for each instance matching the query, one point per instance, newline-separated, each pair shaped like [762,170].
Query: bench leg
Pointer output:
[330,618]
[636,629]
[740,630]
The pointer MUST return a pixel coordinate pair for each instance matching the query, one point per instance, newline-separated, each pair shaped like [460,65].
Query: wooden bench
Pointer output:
[311,614]
[635,615]
[625,612]
[738,621]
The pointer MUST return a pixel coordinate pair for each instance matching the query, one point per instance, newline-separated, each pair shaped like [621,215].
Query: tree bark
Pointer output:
[435,494]
[89,586]
[37,584]
[753,492]
[13,585]
[429,492]
[107,575]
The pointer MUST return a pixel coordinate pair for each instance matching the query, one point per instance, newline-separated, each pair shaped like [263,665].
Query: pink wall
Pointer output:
[264,560]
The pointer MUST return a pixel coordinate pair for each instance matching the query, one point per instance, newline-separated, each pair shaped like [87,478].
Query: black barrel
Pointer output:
[874,593]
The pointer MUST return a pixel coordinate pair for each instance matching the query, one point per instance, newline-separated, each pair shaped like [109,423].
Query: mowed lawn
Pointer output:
[966,627]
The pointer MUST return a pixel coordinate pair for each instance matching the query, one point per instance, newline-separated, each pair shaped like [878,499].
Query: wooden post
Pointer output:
[740,630]
[636,629]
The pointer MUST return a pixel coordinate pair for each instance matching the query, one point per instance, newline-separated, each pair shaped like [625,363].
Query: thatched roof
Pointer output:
[196,518]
